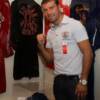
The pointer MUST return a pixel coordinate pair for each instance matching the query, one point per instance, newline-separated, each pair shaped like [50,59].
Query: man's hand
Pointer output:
[81,91]
[41,39]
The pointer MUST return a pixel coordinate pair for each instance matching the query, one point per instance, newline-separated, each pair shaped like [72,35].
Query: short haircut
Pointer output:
[45,1]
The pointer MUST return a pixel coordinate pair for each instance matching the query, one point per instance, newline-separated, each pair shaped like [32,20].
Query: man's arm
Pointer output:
[47,53]
[81,90]
[87,58]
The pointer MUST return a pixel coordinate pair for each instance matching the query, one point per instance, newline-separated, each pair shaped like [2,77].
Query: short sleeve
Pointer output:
[79,32]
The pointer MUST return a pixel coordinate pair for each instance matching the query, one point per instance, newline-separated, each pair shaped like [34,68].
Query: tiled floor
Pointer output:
[21,89]
[24,90]
[17,89]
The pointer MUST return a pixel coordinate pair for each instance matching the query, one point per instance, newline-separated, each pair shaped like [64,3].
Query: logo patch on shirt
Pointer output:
[65,35]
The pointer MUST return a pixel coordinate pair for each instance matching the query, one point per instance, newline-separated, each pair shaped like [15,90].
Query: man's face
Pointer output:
[51,11]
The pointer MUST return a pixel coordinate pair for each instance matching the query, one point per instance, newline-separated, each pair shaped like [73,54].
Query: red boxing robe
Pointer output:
[4,30]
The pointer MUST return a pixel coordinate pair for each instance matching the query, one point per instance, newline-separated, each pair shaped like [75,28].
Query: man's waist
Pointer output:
[68,76]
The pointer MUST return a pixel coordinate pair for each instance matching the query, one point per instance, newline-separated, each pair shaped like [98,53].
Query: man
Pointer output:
[66,10]
[68,45]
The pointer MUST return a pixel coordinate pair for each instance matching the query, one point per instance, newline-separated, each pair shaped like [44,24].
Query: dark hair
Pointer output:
[45,1]
[38,96]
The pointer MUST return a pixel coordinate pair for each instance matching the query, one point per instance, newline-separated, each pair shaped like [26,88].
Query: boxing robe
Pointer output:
[26,23]
[4,38]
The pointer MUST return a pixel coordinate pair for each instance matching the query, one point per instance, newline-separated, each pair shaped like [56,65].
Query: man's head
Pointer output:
[51,10]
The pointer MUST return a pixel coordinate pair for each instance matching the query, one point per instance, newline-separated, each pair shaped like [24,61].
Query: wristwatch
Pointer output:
[83,81]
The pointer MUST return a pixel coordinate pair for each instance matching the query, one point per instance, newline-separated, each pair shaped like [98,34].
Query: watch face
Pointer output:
[83,82]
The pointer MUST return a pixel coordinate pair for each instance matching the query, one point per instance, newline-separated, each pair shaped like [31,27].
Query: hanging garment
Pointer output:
[25,25]
[5,50]
[96,14]
[91,30]
[2,73]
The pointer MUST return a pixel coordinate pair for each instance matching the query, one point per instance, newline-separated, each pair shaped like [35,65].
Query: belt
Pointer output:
[67,76]
[72,76]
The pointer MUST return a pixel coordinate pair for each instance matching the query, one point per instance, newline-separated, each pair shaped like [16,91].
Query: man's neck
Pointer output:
[60,19]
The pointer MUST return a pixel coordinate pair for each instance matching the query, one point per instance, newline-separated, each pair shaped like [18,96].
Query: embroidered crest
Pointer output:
[65,34]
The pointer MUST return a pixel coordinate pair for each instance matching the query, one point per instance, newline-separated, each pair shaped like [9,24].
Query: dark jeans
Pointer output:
[64,87]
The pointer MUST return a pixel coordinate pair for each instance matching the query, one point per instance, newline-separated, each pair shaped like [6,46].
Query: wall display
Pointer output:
[94,7]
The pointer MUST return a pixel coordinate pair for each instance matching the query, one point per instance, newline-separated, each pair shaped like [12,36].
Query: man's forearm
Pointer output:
[87,61]
[46,53]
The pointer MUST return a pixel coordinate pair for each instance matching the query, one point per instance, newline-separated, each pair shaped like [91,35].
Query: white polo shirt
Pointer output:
[70,32]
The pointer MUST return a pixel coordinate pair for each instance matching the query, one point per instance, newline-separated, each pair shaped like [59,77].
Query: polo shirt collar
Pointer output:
[64,21]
